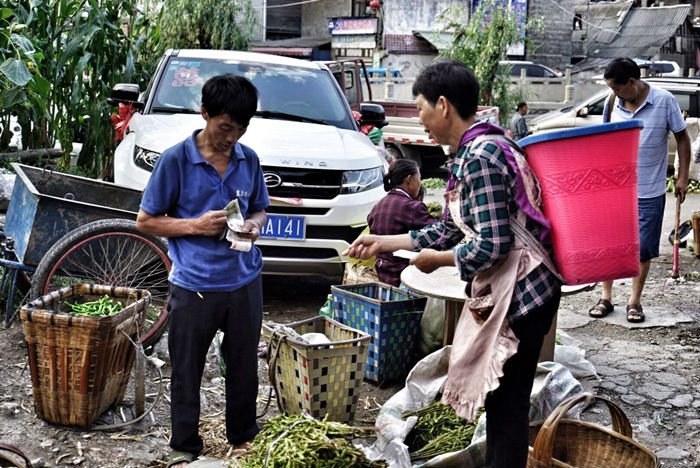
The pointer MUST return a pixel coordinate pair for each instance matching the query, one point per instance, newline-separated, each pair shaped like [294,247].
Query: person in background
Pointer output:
[397,213]
[517,123]
[212,286]
[660,112]
[503,254]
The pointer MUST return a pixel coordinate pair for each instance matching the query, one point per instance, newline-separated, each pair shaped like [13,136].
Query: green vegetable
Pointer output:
[693,185]
[304,442]
[434,183]
[438,430]
[100,308]
[435,209]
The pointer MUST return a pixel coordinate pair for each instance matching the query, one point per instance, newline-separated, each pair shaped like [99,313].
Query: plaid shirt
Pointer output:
[396,213]
[488,199]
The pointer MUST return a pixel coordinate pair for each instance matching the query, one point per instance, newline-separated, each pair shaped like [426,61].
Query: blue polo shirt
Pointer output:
[660,113]
[185,185]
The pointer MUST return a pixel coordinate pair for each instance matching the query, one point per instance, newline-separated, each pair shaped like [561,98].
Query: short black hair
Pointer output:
[398,171]
[453,80]
[232,95]
[621,70]
[521,104]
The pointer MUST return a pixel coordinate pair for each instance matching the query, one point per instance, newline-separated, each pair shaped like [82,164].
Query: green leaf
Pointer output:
[6,13]
[23,43]
[16,71]
[40,86]
[12,97]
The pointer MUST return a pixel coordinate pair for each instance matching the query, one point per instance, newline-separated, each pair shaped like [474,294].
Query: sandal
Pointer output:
[635,314]
[601,309]
[176,457]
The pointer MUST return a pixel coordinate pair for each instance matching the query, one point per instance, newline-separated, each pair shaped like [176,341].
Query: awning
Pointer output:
[438,39]
[288,51]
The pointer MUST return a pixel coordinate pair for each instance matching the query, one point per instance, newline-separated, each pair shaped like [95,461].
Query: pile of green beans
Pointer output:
[438,430]
[100,308]
[302,442]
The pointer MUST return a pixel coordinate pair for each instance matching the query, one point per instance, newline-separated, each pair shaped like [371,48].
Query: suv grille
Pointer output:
[303,183]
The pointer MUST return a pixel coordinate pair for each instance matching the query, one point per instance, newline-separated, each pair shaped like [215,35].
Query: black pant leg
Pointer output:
[193,324]
[508,407]
[240,351]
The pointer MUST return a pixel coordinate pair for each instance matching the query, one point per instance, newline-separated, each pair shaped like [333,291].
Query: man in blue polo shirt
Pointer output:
[212,287]
[659,111]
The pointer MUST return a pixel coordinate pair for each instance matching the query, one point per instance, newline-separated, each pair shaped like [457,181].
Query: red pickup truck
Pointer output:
[404,136]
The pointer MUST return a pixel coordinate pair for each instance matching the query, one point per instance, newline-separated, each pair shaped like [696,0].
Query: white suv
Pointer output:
[323,175]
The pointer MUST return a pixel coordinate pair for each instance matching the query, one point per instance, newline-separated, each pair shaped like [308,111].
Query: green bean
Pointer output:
[103,307]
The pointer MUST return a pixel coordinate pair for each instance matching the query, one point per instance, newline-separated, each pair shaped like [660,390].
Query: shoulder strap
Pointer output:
[611,102]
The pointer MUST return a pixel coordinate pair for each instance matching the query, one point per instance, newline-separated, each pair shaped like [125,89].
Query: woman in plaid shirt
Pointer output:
[493,201]
[398,213]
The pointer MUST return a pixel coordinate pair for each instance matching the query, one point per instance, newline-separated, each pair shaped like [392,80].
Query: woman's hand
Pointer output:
[364,247]
[429,260]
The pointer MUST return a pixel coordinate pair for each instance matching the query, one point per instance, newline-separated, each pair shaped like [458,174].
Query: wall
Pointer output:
[409,64]
[553,43]
[406,16]
[314,16]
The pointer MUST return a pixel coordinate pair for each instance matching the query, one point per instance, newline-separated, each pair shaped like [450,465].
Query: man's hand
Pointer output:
[250,230]
[211,223]
[364,247]
[429,260]
[681,188]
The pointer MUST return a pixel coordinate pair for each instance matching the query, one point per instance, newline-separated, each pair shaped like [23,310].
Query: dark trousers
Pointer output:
[194,321]
[508,407]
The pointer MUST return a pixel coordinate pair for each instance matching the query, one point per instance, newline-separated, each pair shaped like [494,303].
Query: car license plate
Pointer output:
[284,227]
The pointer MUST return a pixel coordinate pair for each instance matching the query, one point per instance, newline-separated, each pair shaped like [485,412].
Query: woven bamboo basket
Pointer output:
[80,365]
[318,379]
[569,443]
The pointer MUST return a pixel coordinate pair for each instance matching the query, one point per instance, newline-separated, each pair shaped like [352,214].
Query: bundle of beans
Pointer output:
[438,430]
[304,442]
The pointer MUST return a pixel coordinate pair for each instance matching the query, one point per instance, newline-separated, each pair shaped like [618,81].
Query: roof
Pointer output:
[642,33]
[605,20]
[294,47]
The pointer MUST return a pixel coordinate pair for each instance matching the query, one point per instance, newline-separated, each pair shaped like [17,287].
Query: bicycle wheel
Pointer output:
[111,252]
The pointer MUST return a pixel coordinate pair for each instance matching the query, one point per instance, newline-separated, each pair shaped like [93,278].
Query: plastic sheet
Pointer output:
[553,383]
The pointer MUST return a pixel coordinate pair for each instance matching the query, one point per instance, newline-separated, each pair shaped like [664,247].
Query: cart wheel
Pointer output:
[110,252]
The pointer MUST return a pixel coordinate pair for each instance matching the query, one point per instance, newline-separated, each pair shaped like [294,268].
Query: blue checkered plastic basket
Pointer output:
[391,317]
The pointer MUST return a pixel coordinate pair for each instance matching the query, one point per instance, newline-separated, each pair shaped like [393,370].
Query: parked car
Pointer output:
[323,175]
[590,112]
[662,68]
[532,70]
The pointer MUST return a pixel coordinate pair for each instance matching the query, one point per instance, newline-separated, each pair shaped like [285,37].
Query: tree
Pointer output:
[480,42]
[207,24]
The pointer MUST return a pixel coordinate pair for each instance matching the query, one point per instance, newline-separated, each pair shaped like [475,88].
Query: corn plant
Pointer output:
[59,60]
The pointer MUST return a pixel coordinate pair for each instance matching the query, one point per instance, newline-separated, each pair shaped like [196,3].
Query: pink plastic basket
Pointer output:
[588,177]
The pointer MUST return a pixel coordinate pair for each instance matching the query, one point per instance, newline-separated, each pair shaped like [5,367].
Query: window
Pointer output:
[597,107]
[359,7]
[535,71]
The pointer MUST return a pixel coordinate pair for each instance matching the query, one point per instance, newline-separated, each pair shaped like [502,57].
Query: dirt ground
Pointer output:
[667,355]
[145,444]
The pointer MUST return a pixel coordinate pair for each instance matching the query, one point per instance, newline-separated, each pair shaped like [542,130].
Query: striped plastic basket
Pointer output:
[317,379]
[391,316]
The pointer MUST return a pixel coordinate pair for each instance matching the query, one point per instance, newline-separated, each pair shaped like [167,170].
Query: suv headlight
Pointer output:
[145,159]
[360,181]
